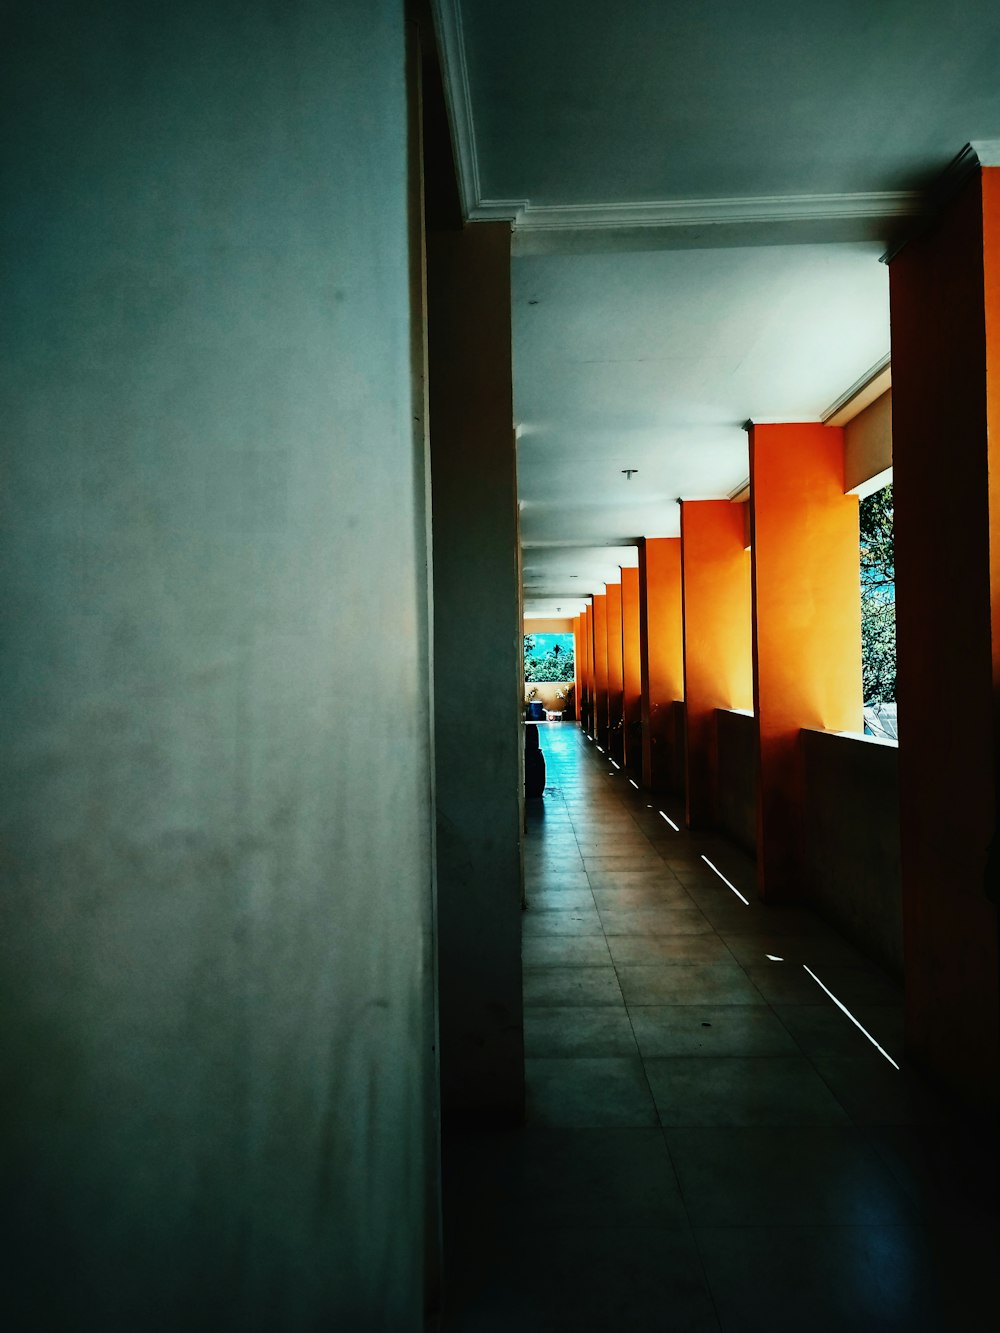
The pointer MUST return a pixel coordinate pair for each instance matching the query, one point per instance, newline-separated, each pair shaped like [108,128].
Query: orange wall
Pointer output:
[661,651]
[632,677]
[600,709]
[945,309]
[613,608]
[578,669]
[715,578]
[548,624]
[588,656]
[806,624]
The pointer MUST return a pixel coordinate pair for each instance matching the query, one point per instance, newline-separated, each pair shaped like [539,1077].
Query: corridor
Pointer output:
[710,1142]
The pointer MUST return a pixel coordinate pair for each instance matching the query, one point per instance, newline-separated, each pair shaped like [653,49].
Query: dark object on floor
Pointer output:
[534,763]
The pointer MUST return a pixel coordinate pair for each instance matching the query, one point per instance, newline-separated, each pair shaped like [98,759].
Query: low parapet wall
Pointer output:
[851,839]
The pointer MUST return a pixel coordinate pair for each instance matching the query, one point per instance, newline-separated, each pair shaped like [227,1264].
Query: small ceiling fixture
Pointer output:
[629,472]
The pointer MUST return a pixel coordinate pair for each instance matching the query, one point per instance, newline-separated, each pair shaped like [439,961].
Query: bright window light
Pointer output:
[669,821]
[847,1011]
[724,880]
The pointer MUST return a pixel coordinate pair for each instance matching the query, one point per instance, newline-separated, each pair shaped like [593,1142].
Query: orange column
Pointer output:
[588,654]
[715,580]
[806,625]
[577,664]
[613,607]
[661,661]
[600,709]
[631,676]
[945,311]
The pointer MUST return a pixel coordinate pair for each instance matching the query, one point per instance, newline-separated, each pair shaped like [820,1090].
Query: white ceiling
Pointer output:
[701,192]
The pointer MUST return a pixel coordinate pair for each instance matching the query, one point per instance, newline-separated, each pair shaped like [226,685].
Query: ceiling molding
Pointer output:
[496,210]
[451,48]
[862,393]
[974,156]
[706,212]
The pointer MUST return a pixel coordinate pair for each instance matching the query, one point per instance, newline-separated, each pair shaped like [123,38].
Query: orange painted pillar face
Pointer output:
[944,289]
[578,664]
[600,713]
[588,653]
[613,618]
[806,624]
[631,676]
[661,661]
[715,576]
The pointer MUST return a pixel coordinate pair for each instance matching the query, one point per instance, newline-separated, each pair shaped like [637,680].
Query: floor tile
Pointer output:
[823,1029]
[790,983]
[584,1093]
[558,900]
[586,1281]
[565,1177]
[577,1030]
[874,1093]
[709,1029]
[571,985]
[686,983]
[707,948]
[645,895]
[564,951]
[556,881]
[834,1279]
[576,921]
[950,1177]
[751,950]
[654,921]
[788,1176]
[764,1090]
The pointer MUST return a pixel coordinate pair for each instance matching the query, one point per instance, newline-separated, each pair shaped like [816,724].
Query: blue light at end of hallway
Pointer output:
[745,901]
[669,821]
[847,1011]
[634,783]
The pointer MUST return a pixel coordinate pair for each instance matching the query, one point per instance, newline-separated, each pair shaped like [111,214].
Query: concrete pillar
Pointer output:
[578,669]
[588,657]
[600,712]
[806,625]
[477,630]
[613,624]
[217,818]
[715,576]
[945,309]
[631,675]
[661,661]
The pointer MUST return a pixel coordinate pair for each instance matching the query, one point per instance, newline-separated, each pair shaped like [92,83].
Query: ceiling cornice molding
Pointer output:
[862,393]
[708,212]
[496,210]
[451,49]
[973,157]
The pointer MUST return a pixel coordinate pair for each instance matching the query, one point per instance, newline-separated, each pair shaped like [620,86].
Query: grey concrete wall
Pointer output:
[851,840]
[477,626]
[738,767]
[217,870]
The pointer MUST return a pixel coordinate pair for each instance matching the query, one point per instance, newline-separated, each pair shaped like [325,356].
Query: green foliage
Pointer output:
[557,664]
[878,598]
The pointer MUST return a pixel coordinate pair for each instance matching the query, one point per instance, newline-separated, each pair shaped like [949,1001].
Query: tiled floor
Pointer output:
[710,1143]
